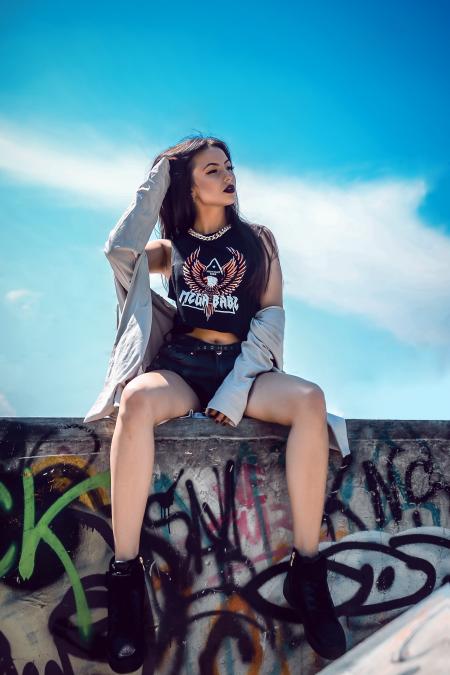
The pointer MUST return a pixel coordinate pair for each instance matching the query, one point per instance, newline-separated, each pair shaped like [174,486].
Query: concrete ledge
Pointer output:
[215,539]
[417,641]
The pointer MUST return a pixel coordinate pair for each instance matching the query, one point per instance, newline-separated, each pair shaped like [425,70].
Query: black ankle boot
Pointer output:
[306,590]
[126,588]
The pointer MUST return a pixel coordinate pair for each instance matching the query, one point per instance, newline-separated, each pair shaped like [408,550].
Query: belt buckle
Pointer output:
[219,352]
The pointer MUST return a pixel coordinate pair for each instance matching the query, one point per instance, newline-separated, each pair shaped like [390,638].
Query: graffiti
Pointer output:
[418,490]
[34,532]
[216,542]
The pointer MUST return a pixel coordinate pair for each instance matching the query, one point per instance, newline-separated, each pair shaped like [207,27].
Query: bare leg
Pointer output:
[131,460]
[291,400]
[306,471]
[147,400]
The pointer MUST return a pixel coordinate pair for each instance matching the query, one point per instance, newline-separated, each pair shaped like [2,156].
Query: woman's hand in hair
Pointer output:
[171,158]
[172,163]
[218,417]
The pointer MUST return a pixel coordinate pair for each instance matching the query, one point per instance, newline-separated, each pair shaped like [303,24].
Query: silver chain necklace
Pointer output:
[219,233]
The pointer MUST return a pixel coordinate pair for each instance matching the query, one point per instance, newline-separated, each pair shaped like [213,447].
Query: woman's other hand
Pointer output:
[218,417]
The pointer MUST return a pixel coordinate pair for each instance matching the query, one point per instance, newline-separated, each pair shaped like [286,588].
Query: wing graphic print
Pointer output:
[194,273]
[196,277]
[233,271]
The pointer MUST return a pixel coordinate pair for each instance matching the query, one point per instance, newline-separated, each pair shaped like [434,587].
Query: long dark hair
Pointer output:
[177,212]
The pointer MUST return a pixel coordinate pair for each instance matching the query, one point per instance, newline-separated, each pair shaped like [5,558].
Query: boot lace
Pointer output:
[317,597]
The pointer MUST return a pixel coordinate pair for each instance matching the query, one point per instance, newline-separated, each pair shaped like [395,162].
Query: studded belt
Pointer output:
[235,347]
[200,345]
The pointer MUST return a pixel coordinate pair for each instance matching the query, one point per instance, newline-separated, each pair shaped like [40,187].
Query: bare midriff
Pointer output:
[215,337]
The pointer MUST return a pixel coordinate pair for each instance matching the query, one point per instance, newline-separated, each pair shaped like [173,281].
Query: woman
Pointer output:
[221,270]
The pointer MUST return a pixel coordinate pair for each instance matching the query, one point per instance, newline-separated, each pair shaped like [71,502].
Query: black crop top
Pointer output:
[208,282]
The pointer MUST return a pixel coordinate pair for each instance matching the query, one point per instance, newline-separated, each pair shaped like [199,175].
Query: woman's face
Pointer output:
[212,172]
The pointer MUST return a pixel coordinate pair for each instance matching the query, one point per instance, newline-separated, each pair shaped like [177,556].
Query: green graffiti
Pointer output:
[5,498]
[6,504]
[34,532]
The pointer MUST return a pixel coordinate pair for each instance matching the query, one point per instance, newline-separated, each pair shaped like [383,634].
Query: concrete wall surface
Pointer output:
[417,641]
[216,539]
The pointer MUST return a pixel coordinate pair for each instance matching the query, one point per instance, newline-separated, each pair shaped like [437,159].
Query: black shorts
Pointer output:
[202,365]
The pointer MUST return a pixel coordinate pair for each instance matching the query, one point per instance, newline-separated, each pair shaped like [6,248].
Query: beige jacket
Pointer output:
[144,316]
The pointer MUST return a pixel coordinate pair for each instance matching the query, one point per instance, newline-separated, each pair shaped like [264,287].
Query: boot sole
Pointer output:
[126,665]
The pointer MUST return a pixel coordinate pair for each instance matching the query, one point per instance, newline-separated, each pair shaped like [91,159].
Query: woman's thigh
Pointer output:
[280,397]
[160,394]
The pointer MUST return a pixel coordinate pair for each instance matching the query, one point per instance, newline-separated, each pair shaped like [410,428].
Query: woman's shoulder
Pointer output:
[261,230]
[268,238]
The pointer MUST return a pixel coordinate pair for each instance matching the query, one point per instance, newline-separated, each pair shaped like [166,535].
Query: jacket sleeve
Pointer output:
[263,346]
[128,238]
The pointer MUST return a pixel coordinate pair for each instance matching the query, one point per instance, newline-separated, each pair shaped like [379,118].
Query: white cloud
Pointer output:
[359,248]
[351,248]
[6,409]
[96,173]
[16,294]
[23,299]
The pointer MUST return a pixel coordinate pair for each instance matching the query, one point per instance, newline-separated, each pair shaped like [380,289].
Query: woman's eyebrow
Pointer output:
[216,163]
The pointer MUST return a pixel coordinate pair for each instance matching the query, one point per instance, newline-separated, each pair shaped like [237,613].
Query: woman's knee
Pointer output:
[136,399]
[311,397]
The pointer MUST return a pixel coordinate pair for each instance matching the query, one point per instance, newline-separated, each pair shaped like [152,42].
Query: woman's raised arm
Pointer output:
[127,240]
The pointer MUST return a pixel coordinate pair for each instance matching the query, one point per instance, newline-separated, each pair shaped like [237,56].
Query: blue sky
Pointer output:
[337,117]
